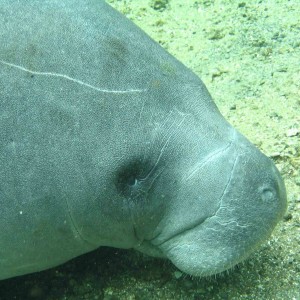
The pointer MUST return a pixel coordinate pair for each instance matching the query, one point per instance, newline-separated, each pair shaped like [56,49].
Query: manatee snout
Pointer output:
[250,202]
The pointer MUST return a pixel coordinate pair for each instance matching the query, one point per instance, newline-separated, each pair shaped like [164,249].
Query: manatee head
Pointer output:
[200,195]
[211,211]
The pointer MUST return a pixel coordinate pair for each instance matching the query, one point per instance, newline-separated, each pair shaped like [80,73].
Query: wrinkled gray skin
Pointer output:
[106,139]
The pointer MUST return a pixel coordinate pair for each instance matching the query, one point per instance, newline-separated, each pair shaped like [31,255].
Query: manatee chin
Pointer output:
[237,215]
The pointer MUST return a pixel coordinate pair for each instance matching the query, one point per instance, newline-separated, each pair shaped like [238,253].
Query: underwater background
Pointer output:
[248,55]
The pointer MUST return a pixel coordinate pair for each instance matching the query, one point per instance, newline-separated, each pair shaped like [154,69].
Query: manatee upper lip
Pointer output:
[199,223]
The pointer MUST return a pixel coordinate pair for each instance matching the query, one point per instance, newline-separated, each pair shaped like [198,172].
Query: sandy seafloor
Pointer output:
[248,55]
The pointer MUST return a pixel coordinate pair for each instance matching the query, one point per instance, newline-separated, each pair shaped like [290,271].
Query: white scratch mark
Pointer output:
[72,79]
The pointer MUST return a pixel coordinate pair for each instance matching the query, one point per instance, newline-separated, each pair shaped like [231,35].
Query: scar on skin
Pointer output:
[72,79]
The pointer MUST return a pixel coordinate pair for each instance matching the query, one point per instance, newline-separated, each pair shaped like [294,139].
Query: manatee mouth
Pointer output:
[253,201]
[198,224]
[201,220]
[226,206]
[156,244]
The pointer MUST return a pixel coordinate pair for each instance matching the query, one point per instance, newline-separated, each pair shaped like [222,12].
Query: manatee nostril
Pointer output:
[267,194]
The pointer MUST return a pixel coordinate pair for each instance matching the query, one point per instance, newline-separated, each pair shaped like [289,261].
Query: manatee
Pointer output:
[108,140]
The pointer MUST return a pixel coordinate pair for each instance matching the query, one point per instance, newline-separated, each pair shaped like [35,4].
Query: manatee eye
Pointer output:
[132,181]
[127,180]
